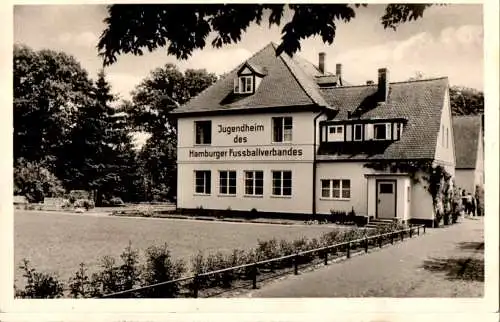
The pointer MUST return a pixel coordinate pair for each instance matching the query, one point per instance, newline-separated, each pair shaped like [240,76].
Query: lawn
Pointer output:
[55,242]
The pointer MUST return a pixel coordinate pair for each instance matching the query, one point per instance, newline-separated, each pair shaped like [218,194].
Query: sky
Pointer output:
[447,41]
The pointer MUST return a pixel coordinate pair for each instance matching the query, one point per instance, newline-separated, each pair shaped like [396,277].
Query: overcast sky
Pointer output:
[448,41]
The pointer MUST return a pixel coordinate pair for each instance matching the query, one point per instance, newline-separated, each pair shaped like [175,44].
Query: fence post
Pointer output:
[411,230]
[392,238]
[418,230]
[349,250]
[326,256]
[195,286]
[402,235]
[366,244]
[379,239]
[424,229]
[254,276]
[295,265]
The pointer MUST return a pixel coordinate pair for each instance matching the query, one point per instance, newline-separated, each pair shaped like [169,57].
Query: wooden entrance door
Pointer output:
[386,199]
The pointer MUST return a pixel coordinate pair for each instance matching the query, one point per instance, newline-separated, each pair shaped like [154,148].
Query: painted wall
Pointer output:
[445,147]
[233,149]
[421,201]
[353,171]
[401,195]
[466,179]
[299,202]
[232,146]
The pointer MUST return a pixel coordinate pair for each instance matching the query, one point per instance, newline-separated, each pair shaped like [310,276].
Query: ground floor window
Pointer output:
[202,182]
[282,183]
[254,183]
[336,189]
[227,182]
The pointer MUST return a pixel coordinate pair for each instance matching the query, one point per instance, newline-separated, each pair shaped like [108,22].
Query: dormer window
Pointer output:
[248,79]
[244,84]
[382,131]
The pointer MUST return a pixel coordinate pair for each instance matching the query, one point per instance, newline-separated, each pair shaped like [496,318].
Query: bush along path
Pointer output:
[161,276]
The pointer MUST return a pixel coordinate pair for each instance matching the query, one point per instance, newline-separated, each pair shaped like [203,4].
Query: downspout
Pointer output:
[314,166]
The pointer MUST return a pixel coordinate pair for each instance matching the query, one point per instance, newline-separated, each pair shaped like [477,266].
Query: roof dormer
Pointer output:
[248,78]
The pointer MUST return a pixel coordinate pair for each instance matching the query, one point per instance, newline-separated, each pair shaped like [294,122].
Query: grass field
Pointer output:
[55,242]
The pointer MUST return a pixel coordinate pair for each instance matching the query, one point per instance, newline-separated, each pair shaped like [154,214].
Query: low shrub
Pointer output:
[39,285]
[160,267]
[116,201]
[79,285]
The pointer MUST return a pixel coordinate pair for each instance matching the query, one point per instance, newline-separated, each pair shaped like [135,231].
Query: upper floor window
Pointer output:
[358,132]
[335,133]
[282,129]
[244,84]
[203,132]
[382,131]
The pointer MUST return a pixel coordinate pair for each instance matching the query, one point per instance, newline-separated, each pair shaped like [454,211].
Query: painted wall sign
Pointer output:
[225,153]
[243,128]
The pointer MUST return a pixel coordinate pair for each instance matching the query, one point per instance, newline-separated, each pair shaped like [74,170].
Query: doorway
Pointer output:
[386,199]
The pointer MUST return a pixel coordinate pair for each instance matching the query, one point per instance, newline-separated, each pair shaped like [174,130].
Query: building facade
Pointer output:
[279,134]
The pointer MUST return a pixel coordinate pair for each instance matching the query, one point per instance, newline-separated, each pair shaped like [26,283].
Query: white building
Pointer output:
[278,134]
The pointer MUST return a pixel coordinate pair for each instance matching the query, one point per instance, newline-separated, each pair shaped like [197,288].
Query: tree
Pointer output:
[100,154]
[466,101]
[134,28]
[152,101]
[49,88]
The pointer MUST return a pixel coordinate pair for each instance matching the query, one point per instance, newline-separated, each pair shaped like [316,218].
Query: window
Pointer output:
[202,182]
[254,183]
[358,132]
[386,188]
[335,129]
[282,183]
[447,144]
[243,84]
[203,132]
[336,189]
[398,131]
[227,182]
[282,129]
[382,131]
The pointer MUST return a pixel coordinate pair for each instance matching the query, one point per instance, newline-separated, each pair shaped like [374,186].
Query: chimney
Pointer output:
[383,84]
[338,72]
[321,63]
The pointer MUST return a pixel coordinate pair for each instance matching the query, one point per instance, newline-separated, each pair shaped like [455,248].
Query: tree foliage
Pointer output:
[35,182]
[185,28]
[153,100]
[49,88]
[466,101]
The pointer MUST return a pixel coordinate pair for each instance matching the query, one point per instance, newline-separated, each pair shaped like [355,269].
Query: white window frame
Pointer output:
[281,181]
[226,184]
[387,131]
[243,83]
[203,137]
[253,181]
[354,132]
[286,129]
[341,188]
[204,185]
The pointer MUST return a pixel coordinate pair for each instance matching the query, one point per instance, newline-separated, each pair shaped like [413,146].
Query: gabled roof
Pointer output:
[287,83]
[419,102]
[466,135]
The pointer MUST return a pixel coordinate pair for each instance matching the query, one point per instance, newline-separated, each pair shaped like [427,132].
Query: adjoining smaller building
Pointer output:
[469,151]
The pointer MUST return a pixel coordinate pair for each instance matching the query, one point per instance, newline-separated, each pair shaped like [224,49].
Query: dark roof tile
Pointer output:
[466,135]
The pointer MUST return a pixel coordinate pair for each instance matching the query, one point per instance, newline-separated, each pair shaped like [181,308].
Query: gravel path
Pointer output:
[445,262]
